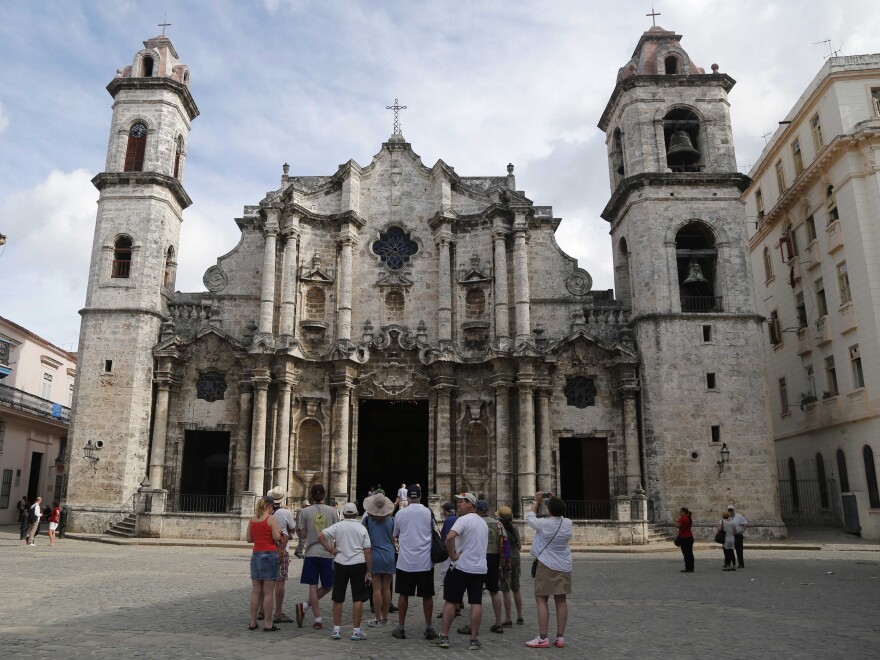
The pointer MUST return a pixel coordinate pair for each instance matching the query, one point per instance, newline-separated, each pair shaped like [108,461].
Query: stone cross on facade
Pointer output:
[654,15]
[397,108]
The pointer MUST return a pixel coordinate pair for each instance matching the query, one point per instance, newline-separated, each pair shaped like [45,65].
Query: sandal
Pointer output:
[282,619]
[465,629]
[497,628]
[272,629]
[253,627]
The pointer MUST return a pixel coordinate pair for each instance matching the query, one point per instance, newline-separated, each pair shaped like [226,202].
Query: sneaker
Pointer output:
[559,643]
[32,545]
[358,635]
[440,643]
[398,633]
[497,628]
[430,633]
[317,625]
[539,643]
[475,645]
[300,614]
[375,623]
[337,634]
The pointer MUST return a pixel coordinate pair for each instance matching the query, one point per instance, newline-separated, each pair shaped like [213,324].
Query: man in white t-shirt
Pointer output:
[415,570]
[401,500]
[351,564]
[466,543]
[739,524]
[34,515]
[287,524]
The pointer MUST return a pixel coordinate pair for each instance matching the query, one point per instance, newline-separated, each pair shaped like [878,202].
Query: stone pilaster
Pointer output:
[521,287]
[444,294]
[443,476]
[526,436]
[631,442]
[545,443]
[288,284]
[260,382]
[341,429]
[242,455]
[267,287]
[503,453]
[343,328]
[282,437]
[160,432]
[502,311]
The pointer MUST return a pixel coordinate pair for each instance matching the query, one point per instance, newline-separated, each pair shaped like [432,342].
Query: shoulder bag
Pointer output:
[535,563]
[720,534]
[438,549]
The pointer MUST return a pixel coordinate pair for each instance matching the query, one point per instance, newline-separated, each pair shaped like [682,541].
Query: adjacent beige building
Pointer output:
[813,209]
[36,390]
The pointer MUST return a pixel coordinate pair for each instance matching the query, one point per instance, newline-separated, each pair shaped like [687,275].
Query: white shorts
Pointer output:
[53,526]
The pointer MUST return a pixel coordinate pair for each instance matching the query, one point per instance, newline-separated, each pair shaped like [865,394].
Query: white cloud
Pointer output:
[4,120]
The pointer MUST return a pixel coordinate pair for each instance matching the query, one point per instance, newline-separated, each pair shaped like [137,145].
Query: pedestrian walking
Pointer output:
[466,544]
[510,574]
[54,517]
[552,553]
[728,526]
[318,563]
[686,539]
[413,526]
[264,533]
[34,515]
[349,544]
[23,507]
[740,524]
[401,500]
[380,527]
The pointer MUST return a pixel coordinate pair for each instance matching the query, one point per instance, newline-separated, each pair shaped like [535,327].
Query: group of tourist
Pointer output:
[31,514]
[362,556]
[729,533]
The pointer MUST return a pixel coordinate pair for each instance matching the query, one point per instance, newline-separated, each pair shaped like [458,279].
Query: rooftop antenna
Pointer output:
[832,52]
[765,137]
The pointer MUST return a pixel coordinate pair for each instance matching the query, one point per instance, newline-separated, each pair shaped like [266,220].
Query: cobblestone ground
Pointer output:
[92,600]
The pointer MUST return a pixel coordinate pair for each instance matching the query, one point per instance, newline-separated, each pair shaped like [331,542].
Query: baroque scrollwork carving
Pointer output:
[579,282]
[215,279]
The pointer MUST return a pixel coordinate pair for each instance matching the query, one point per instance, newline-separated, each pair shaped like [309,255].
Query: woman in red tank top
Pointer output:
[686,539]
[263,532]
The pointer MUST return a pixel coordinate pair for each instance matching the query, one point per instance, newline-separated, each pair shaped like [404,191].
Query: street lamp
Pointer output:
[90,452]
[725,457]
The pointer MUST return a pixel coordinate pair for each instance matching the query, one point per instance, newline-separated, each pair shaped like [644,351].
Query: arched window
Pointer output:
[121,257]
[309,446]
[831,202]
[871,477]
[617,163]
[178,151]
[768,264]
[793,483]
[137,145]
[475,304]
[315,301]
[823,481]
[148,67]
[671,65]
[696,257]
[681,134]
[842,471]
[168,279]
[394,306]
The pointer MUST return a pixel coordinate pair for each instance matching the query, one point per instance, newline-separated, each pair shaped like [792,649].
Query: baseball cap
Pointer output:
[350,509]
[730,507]
[448,507]
[470,497]
[414,492]
[482,505]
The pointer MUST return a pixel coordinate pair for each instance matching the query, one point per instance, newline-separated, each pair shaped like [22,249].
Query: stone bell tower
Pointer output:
[132,271]
[681,263]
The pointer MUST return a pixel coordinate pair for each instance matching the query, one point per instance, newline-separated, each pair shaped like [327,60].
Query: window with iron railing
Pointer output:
[5,350]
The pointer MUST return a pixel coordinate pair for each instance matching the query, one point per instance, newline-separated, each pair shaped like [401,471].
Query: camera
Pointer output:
[547,496]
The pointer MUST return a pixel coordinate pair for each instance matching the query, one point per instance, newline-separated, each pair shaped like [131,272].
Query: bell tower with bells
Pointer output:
[681,265]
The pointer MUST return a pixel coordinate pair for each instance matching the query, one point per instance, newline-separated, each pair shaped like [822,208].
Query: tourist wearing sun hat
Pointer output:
[287,525]
[510,574]
[380,526]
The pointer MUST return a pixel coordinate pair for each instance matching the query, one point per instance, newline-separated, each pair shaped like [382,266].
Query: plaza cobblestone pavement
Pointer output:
[82,599]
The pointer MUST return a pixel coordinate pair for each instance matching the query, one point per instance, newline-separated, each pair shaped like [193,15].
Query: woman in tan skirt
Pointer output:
[553,558]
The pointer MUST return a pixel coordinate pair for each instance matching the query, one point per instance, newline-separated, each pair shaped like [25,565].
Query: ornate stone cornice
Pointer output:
[158,83]
[104,179]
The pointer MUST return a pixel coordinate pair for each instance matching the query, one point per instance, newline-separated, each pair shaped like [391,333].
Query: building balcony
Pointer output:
[701,304]
[823,331]
[13,398]
[835,236]
[811,255]
[847,318]
[804,344]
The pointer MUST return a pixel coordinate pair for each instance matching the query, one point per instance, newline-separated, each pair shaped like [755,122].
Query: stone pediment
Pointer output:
[581,342]
[315,272]
[393,279]
[174,343]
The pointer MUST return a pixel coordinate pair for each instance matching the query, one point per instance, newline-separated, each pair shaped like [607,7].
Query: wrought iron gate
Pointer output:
[808,502]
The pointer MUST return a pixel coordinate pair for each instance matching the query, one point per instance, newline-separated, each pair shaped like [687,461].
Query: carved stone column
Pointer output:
[444,295]
[521,288]
[545,444]
[282,437]
[502,312]
[526,436]
[241,468]
[341,430]
[267,287]
[631,442]
[288,285]
[443,475]
[160,432]
[260,381]
[504,455]
[343,327]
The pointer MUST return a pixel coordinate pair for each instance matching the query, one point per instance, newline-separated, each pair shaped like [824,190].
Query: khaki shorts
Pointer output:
[510,579]
[551,583]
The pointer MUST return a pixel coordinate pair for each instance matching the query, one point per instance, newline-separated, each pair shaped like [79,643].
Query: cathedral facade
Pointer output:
[394,322]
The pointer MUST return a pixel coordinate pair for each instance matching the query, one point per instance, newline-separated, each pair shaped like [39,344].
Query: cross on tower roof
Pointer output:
[164,24]
[397,108]
[654,15]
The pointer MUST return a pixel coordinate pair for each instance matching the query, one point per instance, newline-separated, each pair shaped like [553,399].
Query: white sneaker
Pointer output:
[32,545]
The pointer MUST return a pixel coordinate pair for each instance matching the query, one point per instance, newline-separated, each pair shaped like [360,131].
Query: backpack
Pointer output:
[503,542]
[32,516]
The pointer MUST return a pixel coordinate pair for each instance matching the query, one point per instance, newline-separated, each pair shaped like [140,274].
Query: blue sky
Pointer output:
[306,82]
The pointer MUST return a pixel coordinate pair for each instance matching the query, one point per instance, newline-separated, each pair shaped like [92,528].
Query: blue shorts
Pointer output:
[264,565]
[315,568]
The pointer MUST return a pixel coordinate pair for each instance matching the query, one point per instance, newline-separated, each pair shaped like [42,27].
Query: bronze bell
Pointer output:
[681,151]
[695,274]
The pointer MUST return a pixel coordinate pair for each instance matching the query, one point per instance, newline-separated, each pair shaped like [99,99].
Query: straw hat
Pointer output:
[277,494]
[378,505]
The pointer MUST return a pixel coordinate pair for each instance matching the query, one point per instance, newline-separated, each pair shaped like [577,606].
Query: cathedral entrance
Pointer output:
[204,473]
[583,465]
[392,446]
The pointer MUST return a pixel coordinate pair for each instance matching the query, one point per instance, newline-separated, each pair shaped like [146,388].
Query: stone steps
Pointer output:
[660,534]
[126,528]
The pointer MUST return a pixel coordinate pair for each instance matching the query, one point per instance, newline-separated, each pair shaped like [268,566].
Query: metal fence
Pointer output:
[588,509]
[189,503]
[24,401]
[811,502]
